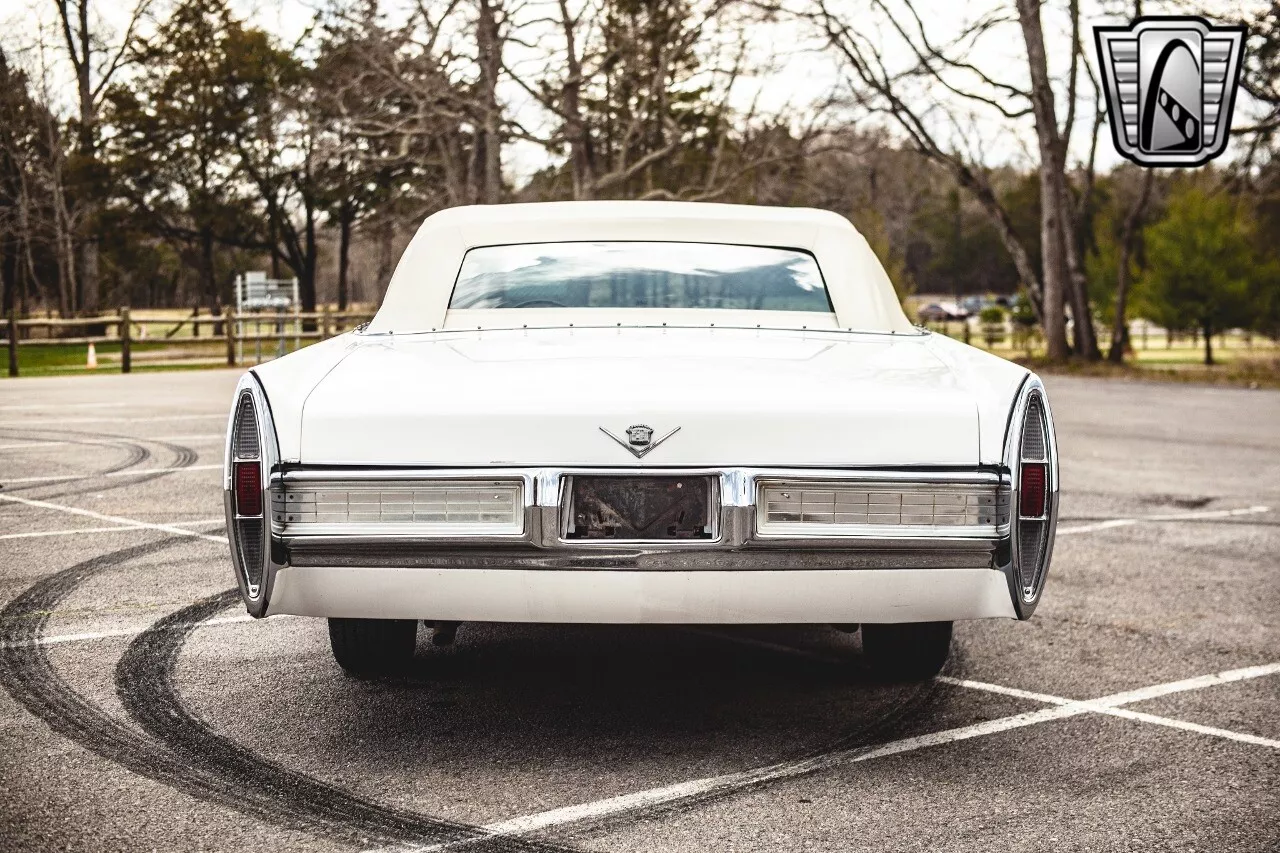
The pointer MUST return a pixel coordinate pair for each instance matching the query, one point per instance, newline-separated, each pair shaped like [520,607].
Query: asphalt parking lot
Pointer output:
[142,711]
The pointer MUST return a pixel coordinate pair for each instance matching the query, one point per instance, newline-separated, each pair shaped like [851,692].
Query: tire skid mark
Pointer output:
[183,752]
[137,453]
[919,700]
[274,794]
[184,457]
[146,687]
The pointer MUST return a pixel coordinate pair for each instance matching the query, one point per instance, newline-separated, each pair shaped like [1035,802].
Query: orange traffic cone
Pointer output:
[92,360]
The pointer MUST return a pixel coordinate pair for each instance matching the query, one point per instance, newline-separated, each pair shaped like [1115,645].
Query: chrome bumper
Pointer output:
[737,519]
[737,543]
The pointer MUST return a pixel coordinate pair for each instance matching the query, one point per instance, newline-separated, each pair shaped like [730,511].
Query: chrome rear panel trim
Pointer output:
[543,493]
[430,556]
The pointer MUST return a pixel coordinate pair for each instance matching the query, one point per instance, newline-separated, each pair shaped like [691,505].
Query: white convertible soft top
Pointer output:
[418,297]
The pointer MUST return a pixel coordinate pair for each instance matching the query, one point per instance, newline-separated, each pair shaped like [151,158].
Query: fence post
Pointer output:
[13,342]
[126,337]
[324,322]
[230,331]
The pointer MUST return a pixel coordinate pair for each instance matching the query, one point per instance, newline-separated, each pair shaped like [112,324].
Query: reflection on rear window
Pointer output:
[639,275]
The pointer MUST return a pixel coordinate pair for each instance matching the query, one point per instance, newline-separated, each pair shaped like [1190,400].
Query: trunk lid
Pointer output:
[738,397]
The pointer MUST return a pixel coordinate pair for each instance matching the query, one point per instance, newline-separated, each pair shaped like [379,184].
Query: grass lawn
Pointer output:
[1251,364]
[54,359]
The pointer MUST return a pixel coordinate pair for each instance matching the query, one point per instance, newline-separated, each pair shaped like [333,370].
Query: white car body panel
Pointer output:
[739,398]
[947,368]
[857,392]
[665,597]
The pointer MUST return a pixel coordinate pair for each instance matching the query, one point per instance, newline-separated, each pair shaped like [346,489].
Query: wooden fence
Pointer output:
[1143,336]
[127,329]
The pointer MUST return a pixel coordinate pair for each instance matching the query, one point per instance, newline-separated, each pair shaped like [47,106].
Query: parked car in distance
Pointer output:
[937,312]
[641,412]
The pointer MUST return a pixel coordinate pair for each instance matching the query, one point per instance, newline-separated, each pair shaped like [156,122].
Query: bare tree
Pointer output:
[884,91]
[638,99]
[1133,222]
[411,101]
[912,81]
[94,64]
[486,152]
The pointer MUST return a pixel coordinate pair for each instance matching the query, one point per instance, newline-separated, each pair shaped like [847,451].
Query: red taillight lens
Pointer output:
[1033,489]
[248,483]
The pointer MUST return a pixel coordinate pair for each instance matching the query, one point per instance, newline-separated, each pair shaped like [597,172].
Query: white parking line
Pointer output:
[1111,705]
[139,419]
[114,529]
[129,472]
[58,639]
[114,519]
[1145,519]
[205,436]
[734,781]
[43,406]
[1184,725]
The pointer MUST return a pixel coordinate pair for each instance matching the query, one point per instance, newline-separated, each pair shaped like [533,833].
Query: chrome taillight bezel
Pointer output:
[250,537]
[1031,537]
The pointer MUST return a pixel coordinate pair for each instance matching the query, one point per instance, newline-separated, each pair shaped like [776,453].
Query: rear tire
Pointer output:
[370,648]
[911,651]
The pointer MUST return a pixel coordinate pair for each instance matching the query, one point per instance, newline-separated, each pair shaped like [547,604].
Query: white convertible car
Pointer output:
[641,412]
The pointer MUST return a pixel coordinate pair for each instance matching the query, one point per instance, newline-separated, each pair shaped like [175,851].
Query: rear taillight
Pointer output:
[1033,489]
[248,488]
[247,525]
[1034,494]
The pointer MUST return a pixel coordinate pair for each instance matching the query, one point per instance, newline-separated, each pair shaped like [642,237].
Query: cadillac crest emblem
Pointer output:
[639,439]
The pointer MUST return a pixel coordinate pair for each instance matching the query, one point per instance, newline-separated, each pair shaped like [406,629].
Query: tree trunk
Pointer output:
[275,241]
[999,217]
[1053,225]
[208,284]
[1085,339]
[307,275]
[386,261]
[8,275]
[1207,325]
[344,249]
[1120,324]
[488,154]
[87,148]
[581,155]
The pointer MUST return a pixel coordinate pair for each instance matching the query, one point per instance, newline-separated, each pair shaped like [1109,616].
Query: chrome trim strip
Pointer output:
[1007,560]
[545,493]
[257,598]
[917,331]
[406,555]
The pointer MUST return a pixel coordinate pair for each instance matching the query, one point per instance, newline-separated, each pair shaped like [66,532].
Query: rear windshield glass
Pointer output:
[639,275]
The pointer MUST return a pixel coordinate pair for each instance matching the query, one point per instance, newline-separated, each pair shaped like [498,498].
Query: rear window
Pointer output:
[640,275]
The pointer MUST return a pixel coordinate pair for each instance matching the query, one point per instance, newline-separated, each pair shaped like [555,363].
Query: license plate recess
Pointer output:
[639,508]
